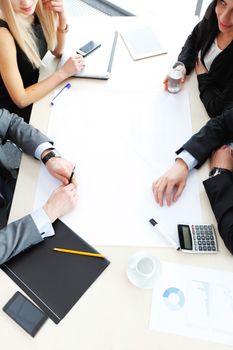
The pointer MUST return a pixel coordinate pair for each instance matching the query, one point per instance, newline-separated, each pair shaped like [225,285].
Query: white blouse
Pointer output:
[211,54]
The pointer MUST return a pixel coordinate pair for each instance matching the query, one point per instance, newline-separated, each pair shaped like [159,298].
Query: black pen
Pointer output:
[72,174]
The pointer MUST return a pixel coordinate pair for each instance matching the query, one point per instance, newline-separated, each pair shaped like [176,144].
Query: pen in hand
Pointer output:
[72,174]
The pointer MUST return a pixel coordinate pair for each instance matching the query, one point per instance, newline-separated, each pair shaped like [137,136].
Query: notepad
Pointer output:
[142,43]
[56,281]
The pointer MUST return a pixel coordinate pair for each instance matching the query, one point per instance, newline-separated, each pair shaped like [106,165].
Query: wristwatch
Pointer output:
[49,155]
[217,171]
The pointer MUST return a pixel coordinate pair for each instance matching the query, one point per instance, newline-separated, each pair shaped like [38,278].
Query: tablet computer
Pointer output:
[25,313]
[142,43]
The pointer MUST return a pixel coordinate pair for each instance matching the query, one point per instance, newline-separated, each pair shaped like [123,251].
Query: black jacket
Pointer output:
[217,132]
[216,86]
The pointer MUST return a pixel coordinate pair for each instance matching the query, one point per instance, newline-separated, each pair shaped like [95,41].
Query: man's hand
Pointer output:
[222,158]
[61,201]
[171,184]
[61,169]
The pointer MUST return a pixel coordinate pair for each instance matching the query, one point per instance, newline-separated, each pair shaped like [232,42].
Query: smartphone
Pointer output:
[197,238]
[88,48]
[25,313]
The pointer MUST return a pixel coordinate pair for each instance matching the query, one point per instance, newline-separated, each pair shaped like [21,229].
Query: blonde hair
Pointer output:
[23,33]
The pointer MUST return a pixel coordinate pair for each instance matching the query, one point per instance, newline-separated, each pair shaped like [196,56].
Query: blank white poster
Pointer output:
[120,144]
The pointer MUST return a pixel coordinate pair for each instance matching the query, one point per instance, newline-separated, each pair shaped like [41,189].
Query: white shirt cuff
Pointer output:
[41,148]
[188,159]
[43,223]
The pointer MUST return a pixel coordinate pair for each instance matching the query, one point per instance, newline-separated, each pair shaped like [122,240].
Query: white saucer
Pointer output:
[137,279]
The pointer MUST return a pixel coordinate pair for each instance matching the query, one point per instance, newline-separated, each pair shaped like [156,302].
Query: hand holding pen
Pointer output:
[62,170]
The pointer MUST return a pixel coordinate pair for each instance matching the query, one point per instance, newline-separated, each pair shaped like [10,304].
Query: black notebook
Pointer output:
[53,280]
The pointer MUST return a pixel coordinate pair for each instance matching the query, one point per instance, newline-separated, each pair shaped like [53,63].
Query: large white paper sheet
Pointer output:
[194,302]
[120,144]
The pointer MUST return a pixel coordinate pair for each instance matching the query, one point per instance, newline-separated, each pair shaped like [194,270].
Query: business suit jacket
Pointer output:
[220,193]
[214,134]
[217,132]
[22,233]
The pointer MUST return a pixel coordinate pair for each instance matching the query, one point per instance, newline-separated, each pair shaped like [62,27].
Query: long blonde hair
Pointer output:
[23,33]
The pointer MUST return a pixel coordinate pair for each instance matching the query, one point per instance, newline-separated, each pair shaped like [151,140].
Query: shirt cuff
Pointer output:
[43,223]
[188,159]
[41,148]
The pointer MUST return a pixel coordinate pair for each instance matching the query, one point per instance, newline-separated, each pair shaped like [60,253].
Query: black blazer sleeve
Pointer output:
[217,132]
[189,51]
[220,193]
[201,37]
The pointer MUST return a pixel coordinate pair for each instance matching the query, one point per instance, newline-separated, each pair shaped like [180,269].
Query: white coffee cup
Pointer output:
[145,267]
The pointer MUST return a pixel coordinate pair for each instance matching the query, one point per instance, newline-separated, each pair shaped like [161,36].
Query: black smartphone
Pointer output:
[25,313]
[88,48]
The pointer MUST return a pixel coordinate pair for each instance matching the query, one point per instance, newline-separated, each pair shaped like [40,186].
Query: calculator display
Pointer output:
[187,237]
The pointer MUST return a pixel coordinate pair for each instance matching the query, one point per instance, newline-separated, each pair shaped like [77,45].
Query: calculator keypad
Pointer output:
[204,239]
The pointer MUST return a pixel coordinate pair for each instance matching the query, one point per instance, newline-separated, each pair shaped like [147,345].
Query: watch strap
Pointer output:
[50,155]
[217,171]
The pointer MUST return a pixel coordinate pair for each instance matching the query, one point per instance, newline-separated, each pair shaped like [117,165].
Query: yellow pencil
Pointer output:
[77,252]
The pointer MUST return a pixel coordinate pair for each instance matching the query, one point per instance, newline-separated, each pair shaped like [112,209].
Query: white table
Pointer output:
[112,314]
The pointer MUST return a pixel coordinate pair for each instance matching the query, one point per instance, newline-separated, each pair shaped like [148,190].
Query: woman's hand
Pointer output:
[54,5]
[165,81]
[73,65]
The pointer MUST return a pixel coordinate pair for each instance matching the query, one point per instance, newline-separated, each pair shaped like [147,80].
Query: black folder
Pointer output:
[53,280]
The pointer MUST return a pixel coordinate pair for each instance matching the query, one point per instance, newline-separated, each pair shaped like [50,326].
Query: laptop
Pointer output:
[98,64]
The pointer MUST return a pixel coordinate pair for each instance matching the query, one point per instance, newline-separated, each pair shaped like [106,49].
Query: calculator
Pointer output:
[197,238]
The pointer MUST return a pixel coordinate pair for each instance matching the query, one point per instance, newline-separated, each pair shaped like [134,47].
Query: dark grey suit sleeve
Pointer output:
[22,233]
[220,193]
[22,134]
[217,132]
[18,236]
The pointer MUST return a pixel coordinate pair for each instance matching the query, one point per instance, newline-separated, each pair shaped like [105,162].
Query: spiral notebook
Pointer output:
[55,281]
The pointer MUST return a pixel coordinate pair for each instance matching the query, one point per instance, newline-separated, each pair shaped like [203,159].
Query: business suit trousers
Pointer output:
[7,187]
